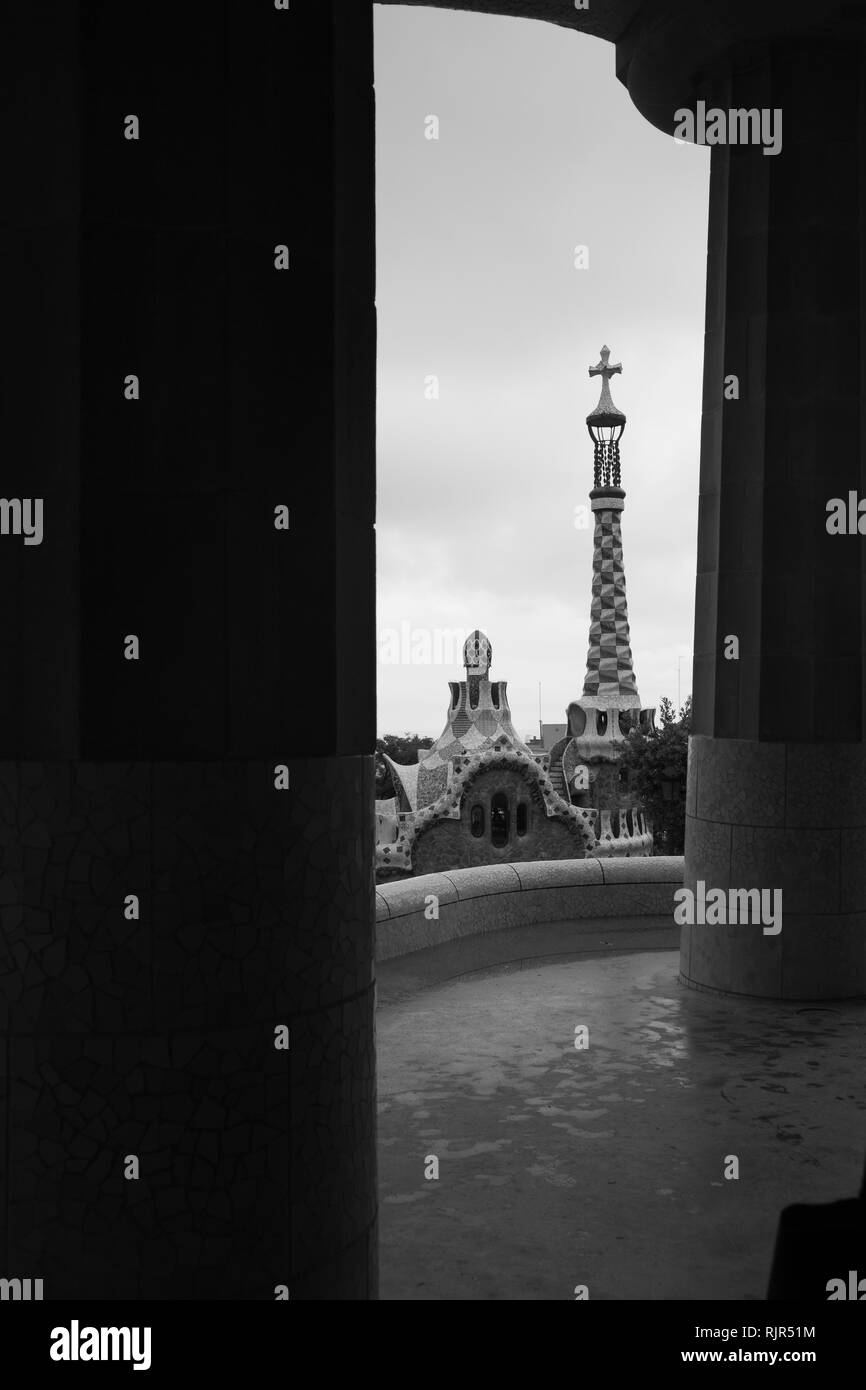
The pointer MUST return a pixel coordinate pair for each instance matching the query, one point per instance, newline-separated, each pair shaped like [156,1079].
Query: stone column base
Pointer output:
[152,1036]
[790,816]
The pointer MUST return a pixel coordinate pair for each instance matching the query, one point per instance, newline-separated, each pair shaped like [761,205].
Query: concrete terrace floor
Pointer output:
[602,1167]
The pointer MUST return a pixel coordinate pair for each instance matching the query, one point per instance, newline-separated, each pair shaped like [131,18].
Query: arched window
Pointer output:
[601,722]
[499,819]
[476,821]
[520,819]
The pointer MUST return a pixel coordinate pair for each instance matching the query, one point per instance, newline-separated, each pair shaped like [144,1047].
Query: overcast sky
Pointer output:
[539,151]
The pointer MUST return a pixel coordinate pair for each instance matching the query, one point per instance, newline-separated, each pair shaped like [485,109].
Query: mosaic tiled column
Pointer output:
[609,669]
[777,775]
[147,1029]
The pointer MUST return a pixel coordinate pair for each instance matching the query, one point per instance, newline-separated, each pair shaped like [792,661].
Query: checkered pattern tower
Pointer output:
[610,681]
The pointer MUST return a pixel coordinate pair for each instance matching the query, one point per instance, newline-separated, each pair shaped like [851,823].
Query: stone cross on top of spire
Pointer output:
[605,412]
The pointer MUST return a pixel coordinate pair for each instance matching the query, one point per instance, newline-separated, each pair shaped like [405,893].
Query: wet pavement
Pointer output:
[603,1166]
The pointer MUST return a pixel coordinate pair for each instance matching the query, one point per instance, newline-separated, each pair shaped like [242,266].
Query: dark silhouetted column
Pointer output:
[777,762]
[165,905]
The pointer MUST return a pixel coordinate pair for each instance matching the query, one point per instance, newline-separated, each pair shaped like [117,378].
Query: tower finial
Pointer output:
[606,424]
[605,412]
[477,653]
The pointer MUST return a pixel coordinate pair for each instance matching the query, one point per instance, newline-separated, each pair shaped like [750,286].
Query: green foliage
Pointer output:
[657,774]
[403,748]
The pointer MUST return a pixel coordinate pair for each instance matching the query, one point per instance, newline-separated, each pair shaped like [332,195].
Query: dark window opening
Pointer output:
[521,820]
[494,694]
[499,819]
[476,821]
[576,720]
[601,721]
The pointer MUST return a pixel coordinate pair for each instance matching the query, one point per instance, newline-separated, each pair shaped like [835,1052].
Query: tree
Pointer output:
[656,764]
[403,748]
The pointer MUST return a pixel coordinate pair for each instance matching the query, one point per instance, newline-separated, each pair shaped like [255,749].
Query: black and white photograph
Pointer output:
[432,674]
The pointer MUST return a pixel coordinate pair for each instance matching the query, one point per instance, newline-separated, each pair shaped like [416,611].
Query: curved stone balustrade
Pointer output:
[497,896]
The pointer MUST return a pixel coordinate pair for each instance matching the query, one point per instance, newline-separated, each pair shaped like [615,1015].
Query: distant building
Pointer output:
[548,735]
[551,734]
[481,794]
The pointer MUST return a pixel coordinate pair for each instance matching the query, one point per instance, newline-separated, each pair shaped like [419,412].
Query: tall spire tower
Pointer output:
[584,763]
[610,682]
